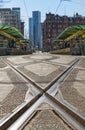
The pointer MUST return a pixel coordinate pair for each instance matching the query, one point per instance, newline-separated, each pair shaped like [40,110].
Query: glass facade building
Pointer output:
[35,29]
[16,11]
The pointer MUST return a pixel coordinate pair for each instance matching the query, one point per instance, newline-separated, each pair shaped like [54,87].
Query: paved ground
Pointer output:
[73,89]
[42,68]
[46,120]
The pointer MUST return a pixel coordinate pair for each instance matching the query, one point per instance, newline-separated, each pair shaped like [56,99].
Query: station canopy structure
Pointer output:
[71,32]
[10,32]
[24,41]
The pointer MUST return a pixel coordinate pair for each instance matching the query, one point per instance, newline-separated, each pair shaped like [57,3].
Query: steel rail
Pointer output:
[5,123]
[26,77]
[78,117]
[14,118]
[70,117]
[62,75]
[48,85]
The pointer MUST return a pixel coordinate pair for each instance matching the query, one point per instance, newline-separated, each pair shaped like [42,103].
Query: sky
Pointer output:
[61,7]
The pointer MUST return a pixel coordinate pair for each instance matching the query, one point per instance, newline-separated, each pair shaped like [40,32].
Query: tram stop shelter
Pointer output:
[8,34]
[75,35]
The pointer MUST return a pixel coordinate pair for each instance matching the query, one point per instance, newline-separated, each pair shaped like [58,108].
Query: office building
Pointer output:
[35,30]
[10,17]
[16,12]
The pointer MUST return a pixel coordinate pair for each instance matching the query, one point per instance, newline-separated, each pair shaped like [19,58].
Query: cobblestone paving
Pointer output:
[15,97]
[64,60]
[41,56]
[17,60]
[71,94]
[82,63]
[46,120]
[45,78]
[2,64]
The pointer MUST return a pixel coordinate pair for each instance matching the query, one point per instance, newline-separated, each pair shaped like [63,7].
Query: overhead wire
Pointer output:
[69,1]
[58,6]
[25,8]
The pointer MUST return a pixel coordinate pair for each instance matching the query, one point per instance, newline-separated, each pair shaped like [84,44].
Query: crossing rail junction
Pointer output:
[42,91]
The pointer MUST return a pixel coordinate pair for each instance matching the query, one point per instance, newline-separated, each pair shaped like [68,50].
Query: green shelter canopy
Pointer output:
[71,32]
[10,32]
[24,41]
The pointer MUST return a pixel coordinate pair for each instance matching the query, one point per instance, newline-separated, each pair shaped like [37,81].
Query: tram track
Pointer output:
[63,74]
[71,118]
[25,76]
[13,120]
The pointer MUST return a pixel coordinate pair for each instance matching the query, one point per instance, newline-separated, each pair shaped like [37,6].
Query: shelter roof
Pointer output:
[10,32]
[71,32]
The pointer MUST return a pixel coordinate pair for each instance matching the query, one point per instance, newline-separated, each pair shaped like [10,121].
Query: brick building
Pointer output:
[54,25]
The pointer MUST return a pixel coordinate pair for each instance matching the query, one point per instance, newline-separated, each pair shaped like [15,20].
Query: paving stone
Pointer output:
[72,92]
[63,59]
[2,64]
[81,63]
[14,91]
[42,75]
[46,120]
